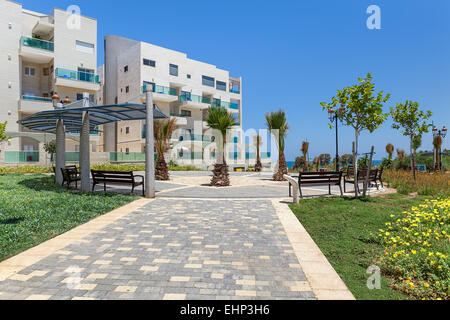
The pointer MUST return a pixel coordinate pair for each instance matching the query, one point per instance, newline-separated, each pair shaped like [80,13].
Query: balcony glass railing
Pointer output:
[76,75]
[195,98]
[178,115]
[161,90]
[33,98]
[263,155]
[21,156]
[194,137]
[234,105]
[235,90]
[38,44]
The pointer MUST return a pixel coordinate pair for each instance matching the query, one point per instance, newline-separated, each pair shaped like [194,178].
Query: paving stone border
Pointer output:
[323,279]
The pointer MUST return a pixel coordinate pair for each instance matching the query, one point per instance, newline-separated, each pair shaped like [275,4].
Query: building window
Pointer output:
[86,74]
[127,130]
[188,76]
[221,86]
[216,102]
[79,96]
[84,47]
[45,72]
[127,150]
[30,72]
[186,113]
[125,69]
[127,89]
[173,70]
[146,83]
[208,81]
[149,63]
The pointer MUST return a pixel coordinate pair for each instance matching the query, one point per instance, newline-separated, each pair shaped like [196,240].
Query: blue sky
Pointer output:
[295,54]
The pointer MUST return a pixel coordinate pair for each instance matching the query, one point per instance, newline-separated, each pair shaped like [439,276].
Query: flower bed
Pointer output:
[416,254]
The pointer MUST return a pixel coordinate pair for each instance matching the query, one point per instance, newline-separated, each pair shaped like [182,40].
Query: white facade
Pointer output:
[43,54]
[183,88]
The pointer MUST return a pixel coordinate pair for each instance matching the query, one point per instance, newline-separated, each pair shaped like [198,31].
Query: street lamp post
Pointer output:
[441,133]
[334,117]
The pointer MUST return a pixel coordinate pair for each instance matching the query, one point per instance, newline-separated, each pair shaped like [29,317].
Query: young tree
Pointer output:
[257,141]
[277,123]
[305,148]
[416,143]
[220,120]
[50,148]
[3,135]
[412,123]
[361,108]
[163,130]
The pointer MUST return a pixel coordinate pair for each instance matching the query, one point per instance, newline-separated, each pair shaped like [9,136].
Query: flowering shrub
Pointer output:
[416,250]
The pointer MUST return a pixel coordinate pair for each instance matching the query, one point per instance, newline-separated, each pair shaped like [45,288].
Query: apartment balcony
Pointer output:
[77,79]
[233,107]
[195,102]
[162,94]
[181,119]
[32,104]
[36,50]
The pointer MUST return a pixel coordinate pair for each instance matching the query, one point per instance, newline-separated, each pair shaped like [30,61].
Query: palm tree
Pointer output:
[316,163]
[276,121]
[305,148]
[257,141]
[390,150]
[437,143]
[162,130]
[220,120]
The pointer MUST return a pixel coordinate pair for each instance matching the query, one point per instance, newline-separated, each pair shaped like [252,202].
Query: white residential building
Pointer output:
[182,88]
[43,54]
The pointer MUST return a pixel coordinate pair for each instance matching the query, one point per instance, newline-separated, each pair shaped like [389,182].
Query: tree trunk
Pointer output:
[412,160]
[161,169]
[221,177]
[355,163]
[258,165]
[282,168]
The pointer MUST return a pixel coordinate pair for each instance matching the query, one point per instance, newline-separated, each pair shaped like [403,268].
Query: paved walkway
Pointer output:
[220,247]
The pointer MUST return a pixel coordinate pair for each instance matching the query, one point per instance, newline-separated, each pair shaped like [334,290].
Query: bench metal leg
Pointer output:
[345,189]
[340,187]
[143,190]
[329,189]
[93,187]
[382,185]
[290,193]
[104,187]
[300,191]
[132,189]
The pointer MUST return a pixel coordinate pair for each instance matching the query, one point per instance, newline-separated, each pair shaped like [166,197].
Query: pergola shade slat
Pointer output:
[45,121]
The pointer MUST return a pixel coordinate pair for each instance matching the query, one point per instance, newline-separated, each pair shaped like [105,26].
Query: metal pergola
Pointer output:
[85,119]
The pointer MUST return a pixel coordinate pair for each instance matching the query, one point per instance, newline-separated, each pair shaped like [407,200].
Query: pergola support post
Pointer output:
[60,161]
[149,147]
[85,157]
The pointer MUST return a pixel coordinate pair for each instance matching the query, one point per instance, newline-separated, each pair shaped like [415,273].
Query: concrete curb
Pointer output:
[323,279]
[19,262]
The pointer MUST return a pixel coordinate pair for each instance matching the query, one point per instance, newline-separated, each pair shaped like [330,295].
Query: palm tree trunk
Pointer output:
[282,168]
[258,165]
[161,169]
[221,176]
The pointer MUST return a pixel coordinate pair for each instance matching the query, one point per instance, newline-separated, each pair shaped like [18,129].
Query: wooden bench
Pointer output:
[118,178]
[70,174]
[362,174]
[380,177]
[318,179]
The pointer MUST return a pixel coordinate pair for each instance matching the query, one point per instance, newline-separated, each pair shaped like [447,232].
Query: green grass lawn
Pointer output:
[33,209]
[342,228]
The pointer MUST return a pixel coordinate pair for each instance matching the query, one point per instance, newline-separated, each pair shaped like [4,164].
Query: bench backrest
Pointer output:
[113,176]
[373,174]
[69,172]
[319,177]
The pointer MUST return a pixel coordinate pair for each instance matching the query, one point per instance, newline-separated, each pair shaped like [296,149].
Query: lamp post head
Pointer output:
[444,132]
[331,114]
[66,101]
[55,99]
